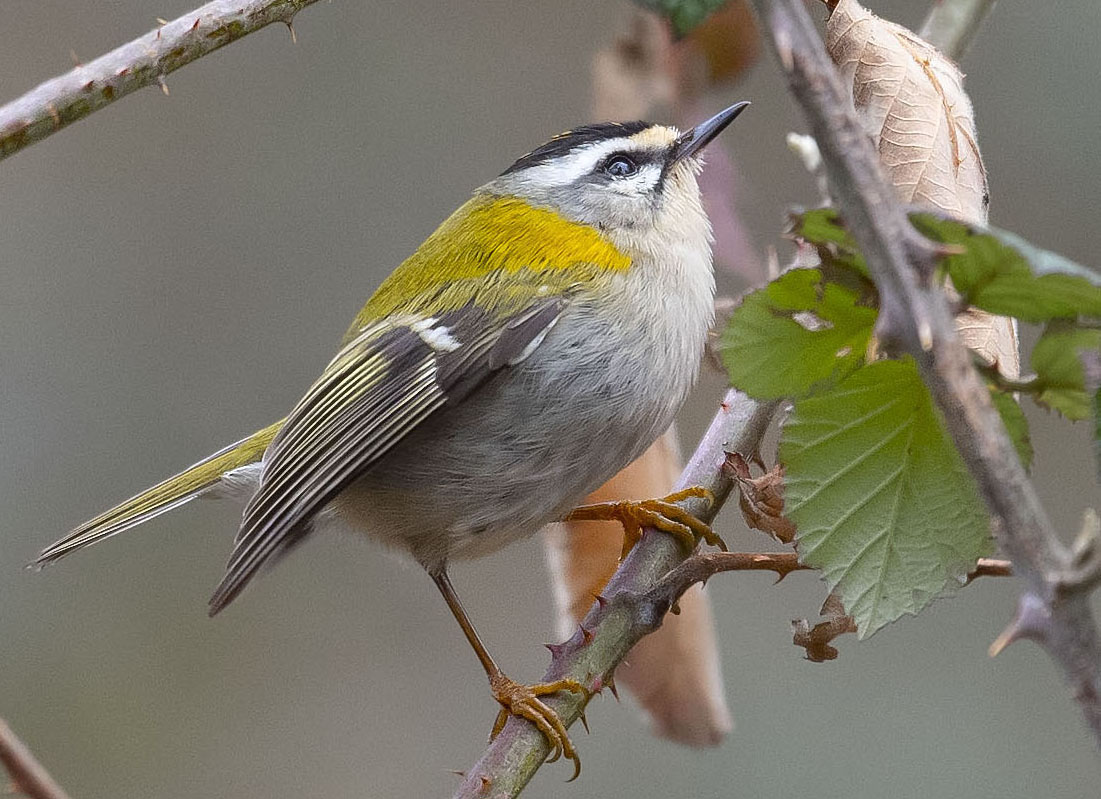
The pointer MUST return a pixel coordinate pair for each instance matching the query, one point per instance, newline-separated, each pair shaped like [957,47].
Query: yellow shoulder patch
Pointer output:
[489,234]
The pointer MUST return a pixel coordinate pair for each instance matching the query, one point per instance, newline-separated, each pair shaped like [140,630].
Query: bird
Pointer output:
[535,344]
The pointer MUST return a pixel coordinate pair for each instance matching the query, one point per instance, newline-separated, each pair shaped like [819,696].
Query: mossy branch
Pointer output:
[143,62]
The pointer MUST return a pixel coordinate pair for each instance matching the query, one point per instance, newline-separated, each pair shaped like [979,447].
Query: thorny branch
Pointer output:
[621,616]
[143,62]
[28,775]
[915,319]
[1053,609]
[701,567]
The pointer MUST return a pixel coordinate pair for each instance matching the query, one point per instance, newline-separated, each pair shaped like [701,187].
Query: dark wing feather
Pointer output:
[382,384]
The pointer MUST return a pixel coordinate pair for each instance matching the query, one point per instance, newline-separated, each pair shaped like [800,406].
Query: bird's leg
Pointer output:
[515,698]
[662,514]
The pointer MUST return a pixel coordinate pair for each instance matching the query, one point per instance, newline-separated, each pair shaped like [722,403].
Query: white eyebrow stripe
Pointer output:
[564,170]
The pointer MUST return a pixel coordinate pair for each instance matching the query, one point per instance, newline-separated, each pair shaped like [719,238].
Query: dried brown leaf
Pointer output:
[762,498]
[912,102]
[817,640]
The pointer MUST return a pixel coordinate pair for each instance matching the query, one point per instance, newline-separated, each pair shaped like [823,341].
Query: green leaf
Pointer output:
[882,501]
[683,14]
[997,271]
[770,349]
[822,228]
[1015,424]
[1004,274]
[1057,361]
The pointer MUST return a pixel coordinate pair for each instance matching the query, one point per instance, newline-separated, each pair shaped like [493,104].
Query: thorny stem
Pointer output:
[701,567]
[620,617]
[914,319]
[143,62]
[30,778]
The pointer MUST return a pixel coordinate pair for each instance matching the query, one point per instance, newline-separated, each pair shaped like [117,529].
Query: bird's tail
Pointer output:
[164,496]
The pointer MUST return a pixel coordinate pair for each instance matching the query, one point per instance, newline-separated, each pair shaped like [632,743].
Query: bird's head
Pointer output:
[635,182]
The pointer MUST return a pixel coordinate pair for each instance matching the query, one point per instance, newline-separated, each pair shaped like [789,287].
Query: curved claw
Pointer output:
[523,701]
[699,531]
[662,514]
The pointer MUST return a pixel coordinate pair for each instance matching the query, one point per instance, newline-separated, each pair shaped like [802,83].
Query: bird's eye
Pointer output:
[620,166]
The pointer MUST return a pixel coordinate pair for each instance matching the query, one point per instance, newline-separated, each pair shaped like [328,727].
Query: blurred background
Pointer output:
[176,270]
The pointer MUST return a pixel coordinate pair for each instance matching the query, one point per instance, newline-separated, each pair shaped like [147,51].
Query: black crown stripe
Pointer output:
[565,142]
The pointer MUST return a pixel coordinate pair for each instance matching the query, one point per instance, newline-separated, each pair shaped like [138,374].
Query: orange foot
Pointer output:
[661,514]
[523,700]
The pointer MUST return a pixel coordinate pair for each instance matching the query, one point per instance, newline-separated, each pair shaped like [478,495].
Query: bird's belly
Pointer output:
[522,451]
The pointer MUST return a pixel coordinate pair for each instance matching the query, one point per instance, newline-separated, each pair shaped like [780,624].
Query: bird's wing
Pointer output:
[384,382]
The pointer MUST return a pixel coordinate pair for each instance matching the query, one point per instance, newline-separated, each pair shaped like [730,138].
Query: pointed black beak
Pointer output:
[692,141]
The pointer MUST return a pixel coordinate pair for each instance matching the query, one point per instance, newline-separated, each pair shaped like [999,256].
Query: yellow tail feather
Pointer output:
[164,496]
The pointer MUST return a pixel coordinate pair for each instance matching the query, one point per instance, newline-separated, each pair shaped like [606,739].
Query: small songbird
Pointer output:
[535,344]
